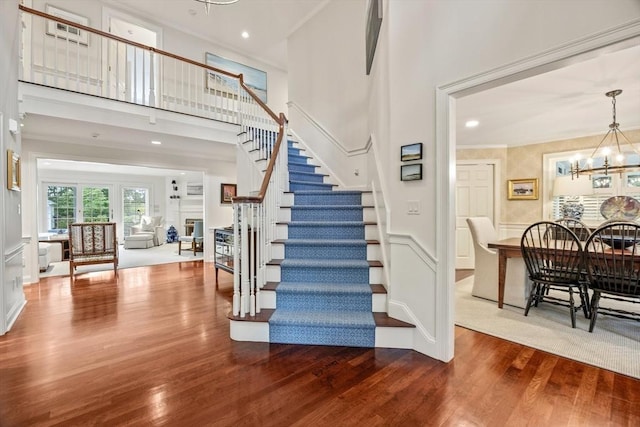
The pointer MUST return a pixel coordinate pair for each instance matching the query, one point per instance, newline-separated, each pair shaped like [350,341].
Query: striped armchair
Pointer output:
[92,243]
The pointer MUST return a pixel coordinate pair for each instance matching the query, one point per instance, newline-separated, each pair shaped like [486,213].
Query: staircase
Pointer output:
[326,277]
[323,295]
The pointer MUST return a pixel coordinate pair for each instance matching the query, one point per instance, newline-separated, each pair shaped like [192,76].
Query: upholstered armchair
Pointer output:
[485,277]
[151,225]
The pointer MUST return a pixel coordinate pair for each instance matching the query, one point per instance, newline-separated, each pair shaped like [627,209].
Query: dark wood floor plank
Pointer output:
[153,348]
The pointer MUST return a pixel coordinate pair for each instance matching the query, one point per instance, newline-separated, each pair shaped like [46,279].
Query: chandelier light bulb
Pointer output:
[590,161]
[620,158]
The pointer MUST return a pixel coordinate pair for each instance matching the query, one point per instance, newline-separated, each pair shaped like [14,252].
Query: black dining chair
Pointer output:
[612,262]
[553,256]
[581,230]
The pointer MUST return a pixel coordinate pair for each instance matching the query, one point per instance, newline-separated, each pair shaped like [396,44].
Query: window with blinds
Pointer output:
[604,187]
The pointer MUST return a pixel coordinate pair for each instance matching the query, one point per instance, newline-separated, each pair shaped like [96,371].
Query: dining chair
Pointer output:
[485,275]
[581,230]
[195,239]
[555,266]
[612,262]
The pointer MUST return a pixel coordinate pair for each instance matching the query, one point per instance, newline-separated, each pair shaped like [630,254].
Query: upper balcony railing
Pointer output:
[67,55]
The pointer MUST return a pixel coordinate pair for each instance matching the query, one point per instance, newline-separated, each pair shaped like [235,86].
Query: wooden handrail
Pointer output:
[281,120]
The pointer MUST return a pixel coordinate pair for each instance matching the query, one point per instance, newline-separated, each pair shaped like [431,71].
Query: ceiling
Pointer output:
[268,22]
[565,103]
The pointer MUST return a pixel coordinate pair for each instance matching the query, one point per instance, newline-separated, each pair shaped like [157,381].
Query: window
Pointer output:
[67,204]
[135,203]
[61,207]
[604,187]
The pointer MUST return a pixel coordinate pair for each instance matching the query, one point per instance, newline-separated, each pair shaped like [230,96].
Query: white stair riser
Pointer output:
[245,330]
[379,303]
[389,337]
[370,231]
[273,274]
[373,251]
[268,299]
[368,214]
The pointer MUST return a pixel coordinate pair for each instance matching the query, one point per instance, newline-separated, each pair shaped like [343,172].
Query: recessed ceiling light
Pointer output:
[156,142]
[472,123]
[245,35]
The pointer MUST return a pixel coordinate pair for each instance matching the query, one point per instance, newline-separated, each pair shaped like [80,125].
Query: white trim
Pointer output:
[408,240]
[578,50]
[328,135]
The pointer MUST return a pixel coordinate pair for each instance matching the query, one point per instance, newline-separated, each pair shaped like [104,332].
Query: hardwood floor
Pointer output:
[153,348]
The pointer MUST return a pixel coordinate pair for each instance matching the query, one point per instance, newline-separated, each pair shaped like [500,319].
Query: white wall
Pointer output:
[11,294]
[327,72]
[425,45]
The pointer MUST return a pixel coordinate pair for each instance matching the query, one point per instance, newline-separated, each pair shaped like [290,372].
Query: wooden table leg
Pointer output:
[502,273]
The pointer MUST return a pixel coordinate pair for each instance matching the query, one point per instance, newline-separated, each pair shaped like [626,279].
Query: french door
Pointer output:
[135,203]
[69,203]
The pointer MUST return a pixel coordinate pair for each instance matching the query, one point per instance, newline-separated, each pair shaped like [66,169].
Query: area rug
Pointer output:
[613,345]
[127,258]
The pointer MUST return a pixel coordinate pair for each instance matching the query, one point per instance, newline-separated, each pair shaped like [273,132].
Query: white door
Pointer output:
[474,197]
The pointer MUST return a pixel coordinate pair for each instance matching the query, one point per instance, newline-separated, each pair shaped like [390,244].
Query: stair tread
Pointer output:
[327,223]
[383,320]
[311,207]
[264,316]
[337,191]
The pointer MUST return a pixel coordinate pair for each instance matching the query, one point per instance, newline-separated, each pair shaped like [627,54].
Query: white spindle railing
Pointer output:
[89,61]
[66,55]
[255,217]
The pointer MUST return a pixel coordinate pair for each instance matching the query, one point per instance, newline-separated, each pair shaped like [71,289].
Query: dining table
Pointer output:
[506,248]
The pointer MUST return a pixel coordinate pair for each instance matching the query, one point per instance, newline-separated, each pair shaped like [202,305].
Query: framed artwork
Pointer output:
[64,31]
[411,152]
[374,22]
[195,189]
[227,191]
[523,189]
[411,172]
[254,78]
[13,171]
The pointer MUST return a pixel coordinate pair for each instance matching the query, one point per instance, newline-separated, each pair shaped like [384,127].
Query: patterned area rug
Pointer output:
[613,345]
[127,258]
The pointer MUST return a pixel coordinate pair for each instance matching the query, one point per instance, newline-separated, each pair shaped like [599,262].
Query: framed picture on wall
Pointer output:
[411,172]
[227,191]
[13,171]
[523,189]
[411,152]
[374,22]
[254,78]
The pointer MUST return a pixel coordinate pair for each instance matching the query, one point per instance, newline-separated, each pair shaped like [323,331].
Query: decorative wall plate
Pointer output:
[620,207]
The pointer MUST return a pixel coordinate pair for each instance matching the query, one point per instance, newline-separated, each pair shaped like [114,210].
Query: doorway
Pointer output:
[475,196]
[132,72]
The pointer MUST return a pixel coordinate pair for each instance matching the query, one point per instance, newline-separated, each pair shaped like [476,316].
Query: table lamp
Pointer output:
[572,189]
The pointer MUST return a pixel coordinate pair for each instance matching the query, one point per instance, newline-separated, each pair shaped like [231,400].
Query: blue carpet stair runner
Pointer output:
[324,296]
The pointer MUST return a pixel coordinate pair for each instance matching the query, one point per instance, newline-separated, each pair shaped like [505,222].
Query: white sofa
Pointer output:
[44,255]
[152,225]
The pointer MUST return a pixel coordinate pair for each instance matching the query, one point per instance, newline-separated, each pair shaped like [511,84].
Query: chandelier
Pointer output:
[611,152]
[208,3]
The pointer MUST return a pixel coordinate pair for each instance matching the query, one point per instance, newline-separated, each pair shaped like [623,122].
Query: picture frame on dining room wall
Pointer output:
[522,189]
[64,31]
